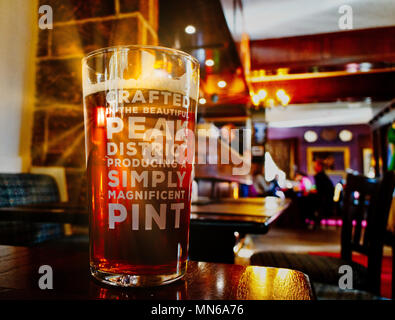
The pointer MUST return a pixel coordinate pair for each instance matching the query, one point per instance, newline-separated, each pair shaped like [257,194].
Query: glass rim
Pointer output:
[137,46]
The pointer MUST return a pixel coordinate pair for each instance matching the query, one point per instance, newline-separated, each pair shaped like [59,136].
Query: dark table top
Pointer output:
[19,278]
[249,215]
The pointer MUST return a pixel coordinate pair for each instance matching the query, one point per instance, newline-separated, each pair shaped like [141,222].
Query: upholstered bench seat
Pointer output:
[24,189]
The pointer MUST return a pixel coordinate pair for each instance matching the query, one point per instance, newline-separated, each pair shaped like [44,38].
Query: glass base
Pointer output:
[129,280]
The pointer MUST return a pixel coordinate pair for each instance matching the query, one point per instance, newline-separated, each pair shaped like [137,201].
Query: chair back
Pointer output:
[26,188]
[365,213]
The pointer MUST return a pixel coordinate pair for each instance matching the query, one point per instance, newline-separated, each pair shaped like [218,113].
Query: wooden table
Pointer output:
[71,279]
[252,214]
[212,227]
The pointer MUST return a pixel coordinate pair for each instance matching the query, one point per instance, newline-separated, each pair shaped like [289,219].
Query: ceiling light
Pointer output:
[283,97]
[258,97]
[262,94]
[202,101]
[285,100]
[255,100]
[221,84]
[280,93]
[345,135]
[190,29]
[310,136]
[209,62]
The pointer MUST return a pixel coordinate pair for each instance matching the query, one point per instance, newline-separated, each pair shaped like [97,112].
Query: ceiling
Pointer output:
[212,40]
[265,19]
[323,114]
[321,101]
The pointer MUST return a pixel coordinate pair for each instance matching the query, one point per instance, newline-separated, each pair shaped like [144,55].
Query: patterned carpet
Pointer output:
[386,271]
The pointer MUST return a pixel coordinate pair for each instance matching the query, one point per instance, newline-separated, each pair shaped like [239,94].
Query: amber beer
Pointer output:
[140,152]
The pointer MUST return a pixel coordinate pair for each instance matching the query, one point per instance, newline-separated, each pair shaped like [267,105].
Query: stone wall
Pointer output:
[78,27]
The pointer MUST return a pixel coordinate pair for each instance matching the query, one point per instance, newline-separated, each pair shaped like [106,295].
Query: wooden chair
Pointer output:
[364,200]
[390,241]
[372,205]
[389,237]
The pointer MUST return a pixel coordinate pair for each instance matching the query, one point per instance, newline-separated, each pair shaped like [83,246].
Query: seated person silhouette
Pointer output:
[325,191]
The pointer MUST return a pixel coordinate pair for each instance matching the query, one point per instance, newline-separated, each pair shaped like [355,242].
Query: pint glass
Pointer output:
[140,113]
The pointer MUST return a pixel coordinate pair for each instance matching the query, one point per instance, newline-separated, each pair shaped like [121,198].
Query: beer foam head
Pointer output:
[150,77]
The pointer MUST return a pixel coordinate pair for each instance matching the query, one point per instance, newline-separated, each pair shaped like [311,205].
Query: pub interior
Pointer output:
[293,188]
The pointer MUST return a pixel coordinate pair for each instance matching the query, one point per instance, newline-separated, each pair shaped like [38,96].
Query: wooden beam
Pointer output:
[337,48]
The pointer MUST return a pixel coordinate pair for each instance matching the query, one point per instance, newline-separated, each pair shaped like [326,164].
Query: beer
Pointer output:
[140,152]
